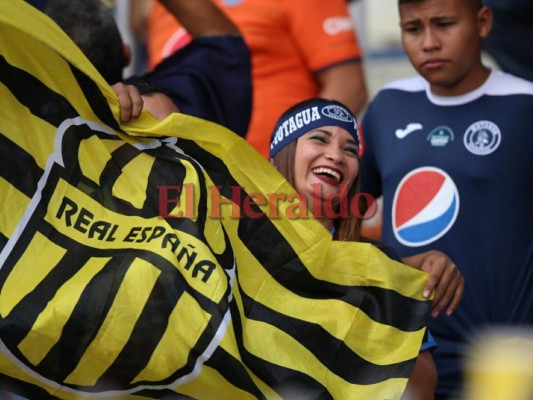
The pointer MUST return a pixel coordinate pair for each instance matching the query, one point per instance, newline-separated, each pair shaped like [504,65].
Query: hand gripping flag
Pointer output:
[163,259]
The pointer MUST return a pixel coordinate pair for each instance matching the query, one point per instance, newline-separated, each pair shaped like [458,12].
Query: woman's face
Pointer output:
[326,160]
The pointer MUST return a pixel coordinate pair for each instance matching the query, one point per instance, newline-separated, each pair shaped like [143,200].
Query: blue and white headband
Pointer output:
[309,115]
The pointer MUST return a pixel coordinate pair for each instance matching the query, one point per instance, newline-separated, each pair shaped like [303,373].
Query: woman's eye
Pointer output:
[319,138]
[352,150]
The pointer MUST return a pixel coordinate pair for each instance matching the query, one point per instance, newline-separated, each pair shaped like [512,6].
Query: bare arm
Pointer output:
[444,278]
[139,11]
[345,83]
[201,17]
[423,380]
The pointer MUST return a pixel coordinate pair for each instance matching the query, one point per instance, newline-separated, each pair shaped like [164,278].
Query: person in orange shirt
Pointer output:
[300,49]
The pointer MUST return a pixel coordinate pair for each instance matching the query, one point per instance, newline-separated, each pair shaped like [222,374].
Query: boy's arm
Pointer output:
[345,83]
[201,17]
[139,10]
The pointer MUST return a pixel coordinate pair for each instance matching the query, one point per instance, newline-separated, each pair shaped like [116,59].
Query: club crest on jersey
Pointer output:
[482,138]
[425,206]
[440,136]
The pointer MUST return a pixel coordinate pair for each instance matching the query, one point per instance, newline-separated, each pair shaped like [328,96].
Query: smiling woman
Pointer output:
[315,145]
[328,164]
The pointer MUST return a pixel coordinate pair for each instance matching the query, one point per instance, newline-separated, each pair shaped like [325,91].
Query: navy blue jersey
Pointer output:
[210,78]
[39,4]
[456,175]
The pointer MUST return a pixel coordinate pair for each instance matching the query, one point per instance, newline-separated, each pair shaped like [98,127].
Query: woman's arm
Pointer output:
[444,278]
[423,380]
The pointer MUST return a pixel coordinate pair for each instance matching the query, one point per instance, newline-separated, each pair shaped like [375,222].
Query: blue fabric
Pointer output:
[39,4]
[429,342]
[309,115]
[210,78]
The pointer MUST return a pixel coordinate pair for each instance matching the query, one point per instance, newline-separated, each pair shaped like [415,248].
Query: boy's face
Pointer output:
[442,39]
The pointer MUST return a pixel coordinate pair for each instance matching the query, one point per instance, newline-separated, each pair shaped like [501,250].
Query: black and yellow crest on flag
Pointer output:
[106,293]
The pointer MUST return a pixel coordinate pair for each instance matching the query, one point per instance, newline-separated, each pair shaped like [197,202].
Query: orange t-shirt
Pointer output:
[289,41]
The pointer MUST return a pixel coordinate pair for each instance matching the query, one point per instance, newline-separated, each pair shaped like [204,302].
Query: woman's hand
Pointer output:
[444,278]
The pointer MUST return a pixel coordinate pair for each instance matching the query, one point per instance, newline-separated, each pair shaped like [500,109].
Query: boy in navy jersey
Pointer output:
[451,153]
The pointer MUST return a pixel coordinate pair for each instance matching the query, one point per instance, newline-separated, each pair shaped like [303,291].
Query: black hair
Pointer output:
[474,4]
[91,25]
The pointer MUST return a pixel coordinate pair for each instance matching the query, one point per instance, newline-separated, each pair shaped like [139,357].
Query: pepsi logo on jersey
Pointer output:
[425,206]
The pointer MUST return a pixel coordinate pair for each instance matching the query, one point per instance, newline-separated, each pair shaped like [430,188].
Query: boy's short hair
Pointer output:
[474,4]
[91,25]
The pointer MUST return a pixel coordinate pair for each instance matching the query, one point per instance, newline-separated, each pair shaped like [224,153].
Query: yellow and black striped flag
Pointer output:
[164,259]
